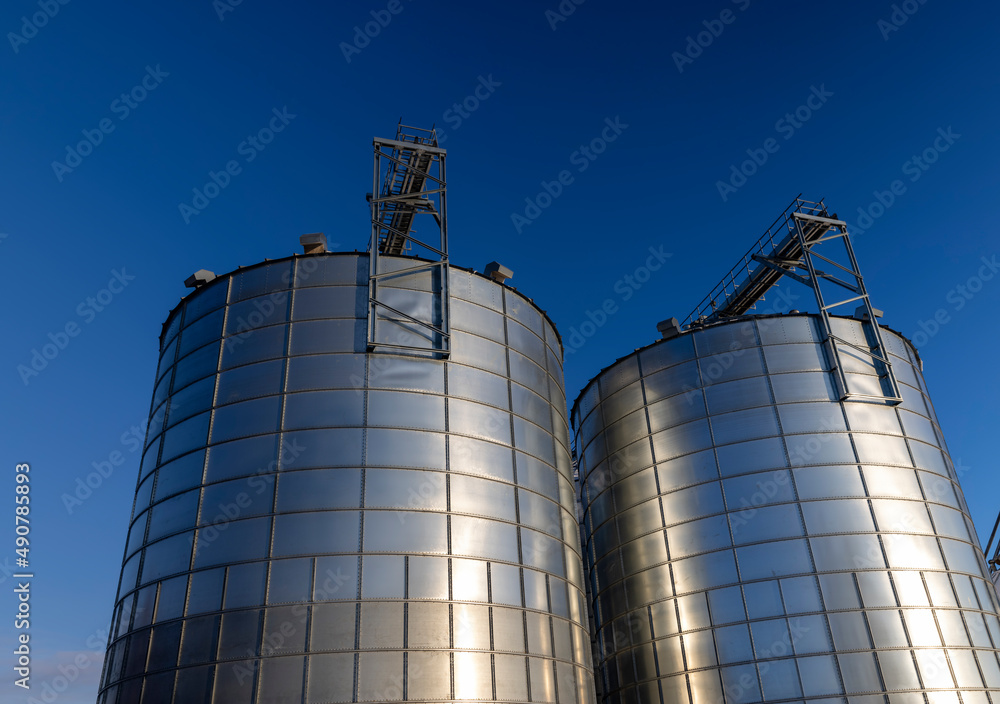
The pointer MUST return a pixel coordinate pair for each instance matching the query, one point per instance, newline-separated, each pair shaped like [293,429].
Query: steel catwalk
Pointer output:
[749,537]
[315,522]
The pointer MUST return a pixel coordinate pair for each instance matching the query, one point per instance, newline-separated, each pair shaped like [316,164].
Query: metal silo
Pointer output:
[771,514]
[322,517]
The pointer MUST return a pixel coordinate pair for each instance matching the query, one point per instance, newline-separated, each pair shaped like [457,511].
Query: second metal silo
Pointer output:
[753,532]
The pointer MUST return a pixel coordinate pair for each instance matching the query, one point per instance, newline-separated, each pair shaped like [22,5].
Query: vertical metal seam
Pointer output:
[310,608]
[663,520]
[358,623]
[451,636]
[513,436]
[798,509]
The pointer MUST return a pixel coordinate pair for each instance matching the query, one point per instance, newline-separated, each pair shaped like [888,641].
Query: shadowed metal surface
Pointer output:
[749,537]
[314,523]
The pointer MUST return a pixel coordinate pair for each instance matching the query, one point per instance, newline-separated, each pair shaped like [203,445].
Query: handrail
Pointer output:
[773,236]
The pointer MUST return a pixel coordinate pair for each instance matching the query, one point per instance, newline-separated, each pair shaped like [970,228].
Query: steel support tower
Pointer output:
[791,247]
[409,180]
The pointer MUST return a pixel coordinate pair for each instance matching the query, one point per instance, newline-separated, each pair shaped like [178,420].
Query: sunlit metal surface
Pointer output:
[317,523]
[749,537]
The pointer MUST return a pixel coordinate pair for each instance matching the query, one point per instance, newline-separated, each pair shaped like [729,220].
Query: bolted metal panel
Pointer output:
[317,522]
[749,537]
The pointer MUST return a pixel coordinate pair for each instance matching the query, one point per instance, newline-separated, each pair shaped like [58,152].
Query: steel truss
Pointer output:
[409,180]
[789,249]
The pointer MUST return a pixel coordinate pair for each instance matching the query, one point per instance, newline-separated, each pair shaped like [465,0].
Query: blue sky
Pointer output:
[847,93]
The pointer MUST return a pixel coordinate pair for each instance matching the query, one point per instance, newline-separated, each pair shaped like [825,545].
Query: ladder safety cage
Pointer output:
[789,248]
[408,180]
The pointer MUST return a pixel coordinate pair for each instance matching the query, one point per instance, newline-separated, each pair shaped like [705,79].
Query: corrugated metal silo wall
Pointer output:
[748,537]
[317,523]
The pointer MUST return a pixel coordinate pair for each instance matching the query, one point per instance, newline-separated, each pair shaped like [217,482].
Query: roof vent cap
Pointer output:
[669,328]
[199,278]
[862,314]
[498,272]
[314,243]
